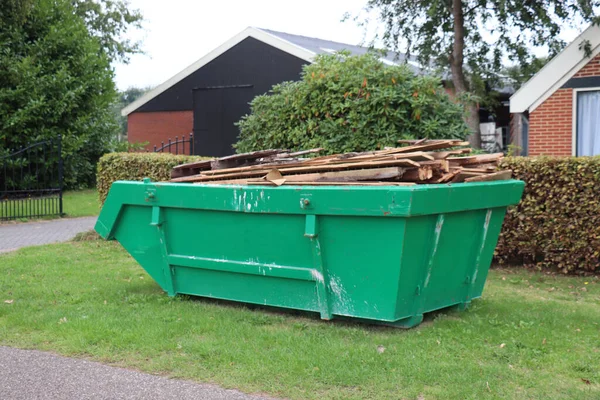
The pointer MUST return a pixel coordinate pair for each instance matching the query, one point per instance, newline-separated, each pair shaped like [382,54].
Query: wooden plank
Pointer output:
[462,176]
[439,155]
[304,152]
[477,159]
[195,164]
[301,169]
[362,183]
[447,177]
[444,144]
[372,174]
[417,174]
[485,170]
[497,176]
[237,160]
[415,156]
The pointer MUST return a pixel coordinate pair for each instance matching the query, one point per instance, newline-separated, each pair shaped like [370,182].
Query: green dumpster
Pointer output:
[381,254]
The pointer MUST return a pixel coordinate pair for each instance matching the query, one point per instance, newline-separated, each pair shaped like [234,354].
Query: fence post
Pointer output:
[60,176]
[191,143]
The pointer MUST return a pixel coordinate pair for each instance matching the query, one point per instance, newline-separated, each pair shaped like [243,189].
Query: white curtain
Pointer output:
[588,123]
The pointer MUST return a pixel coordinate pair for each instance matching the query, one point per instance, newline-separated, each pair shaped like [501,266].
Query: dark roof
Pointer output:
[320,46]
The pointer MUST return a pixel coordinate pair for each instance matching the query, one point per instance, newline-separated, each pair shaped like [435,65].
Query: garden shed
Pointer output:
[209,96]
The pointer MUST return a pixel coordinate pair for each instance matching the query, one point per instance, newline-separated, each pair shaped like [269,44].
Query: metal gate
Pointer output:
[31,181]
[174,147]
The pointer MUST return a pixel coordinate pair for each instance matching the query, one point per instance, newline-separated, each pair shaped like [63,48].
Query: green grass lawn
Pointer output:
[81,203]
[76,203]
[532,336]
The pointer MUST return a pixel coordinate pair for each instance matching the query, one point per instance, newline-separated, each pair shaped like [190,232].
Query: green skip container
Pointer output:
[379,254]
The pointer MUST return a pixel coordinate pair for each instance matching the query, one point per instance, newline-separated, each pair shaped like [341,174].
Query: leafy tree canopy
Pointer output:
[56,78]
[474,38]
[351,103]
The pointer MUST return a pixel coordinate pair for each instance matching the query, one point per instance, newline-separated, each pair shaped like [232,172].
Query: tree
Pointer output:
[473,38]
[351,103]
[125,98]
[108,21]
[56,78]
[519,74]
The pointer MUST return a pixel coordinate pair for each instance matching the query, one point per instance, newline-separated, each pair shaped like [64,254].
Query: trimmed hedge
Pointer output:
[557,224]
[135,167]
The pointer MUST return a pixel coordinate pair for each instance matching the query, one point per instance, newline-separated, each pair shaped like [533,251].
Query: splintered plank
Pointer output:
[244,158]
[447,177]
[304,152]
[414,156]
[440,155]
[426,146]
[372,174]
[478,159]
[418,174]
[497,176]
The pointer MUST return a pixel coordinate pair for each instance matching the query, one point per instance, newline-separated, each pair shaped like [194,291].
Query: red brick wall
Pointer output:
[551,123]
[157,127]
[591,69]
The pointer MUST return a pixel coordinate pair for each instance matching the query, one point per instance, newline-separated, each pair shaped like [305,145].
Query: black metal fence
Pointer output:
[31,181]
[178,146]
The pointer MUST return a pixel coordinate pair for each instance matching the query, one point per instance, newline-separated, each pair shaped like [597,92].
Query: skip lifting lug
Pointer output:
[150,190]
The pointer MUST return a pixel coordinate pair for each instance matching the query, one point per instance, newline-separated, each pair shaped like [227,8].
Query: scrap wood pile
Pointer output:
[414,162]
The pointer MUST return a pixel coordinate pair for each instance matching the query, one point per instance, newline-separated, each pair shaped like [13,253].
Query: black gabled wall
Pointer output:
[250,62]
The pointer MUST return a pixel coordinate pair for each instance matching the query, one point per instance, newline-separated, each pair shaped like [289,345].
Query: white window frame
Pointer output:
[575,95]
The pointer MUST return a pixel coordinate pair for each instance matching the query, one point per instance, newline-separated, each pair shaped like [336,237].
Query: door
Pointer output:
[216,110]
[588,123]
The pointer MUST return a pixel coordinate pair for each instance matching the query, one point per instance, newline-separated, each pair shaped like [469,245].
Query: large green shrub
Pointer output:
[351,103]
[135,167]
[557,224]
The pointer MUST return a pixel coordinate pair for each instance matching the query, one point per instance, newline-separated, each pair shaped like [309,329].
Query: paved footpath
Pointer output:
[15,236]
[35,375]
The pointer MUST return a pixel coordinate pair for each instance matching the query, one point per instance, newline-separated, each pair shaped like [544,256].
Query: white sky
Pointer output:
[179,32]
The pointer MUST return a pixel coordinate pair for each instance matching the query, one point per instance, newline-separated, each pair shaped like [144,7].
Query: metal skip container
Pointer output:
[382,254]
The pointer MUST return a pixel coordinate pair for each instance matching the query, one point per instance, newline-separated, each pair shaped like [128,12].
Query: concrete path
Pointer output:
[15,236]
[35,375]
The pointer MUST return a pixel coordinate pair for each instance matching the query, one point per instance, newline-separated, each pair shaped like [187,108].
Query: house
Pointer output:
[557,112]
[211,95]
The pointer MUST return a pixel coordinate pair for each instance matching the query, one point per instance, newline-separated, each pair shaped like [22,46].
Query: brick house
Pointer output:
[557,112]
[211,95]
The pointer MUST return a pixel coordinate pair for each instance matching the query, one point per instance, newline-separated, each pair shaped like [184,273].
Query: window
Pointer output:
[588,122]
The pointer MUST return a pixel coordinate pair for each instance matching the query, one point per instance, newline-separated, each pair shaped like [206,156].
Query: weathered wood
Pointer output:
[477,159]
[301,169]
[334,183]
[418,174]
[497,176]
[237,160]
[439,155]
[373,174]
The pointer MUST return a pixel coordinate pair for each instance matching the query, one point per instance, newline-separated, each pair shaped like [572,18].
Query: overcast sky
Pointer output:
[179,32]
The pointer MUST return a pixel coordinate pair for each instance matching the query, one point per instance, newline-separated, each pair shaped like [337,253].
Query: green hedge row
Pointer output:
[557,224]
[135,167]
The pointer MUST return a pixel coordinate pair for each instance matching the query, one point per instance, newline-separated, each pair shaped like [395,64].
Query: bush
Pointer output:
[351,103]
[557,224]
[135,167]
